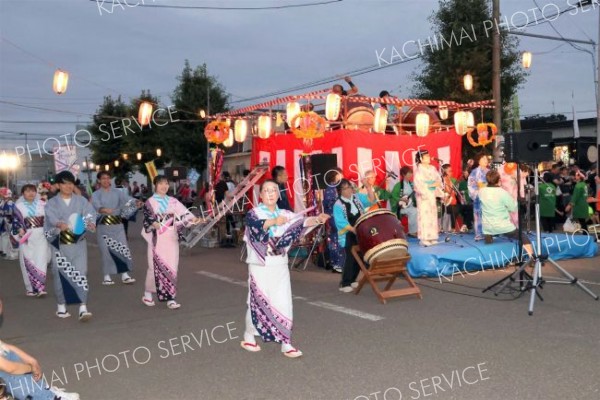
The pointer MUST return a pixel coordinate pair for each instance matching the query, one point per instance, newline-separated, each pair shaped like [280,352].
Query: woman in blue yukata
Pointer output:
[270,231]
[477,180]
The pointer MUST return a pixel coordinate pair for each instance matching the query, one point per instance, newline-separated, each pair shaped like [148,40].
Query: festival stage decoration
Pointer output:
[308,126]
[217,132]
[463,122]
[443,111]
[230,139]
[292,109]
[145,113]
[380,120]
[61,80]
[216,165]
[510,168]
[357,152]
[333,106]
[422,124]
[240,130]
[483,135]
[265,126]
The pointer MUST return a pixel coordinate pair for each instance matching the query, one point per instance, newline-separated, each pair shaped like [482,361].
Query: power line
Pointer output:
[375,67]
[44,108]
[227,8]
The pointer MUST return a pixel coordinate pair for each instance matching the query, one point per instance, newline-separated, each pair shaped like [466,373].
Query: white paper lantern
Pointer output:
[333,106]
[443,111]
[229,141]
[292,110]
[526,59]
[468,82]
[422,123]
[380,120]
[61,80]
[264,126]
[240,130]
[145,113]
[463,121]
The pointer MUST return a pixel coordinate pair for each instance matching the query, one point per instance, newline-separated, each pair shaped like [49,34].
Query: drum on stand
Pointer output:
[380,236]
[360,115]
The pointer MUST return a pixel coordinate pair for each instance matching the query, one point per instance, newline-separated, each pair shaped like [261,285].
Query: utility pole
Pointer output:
[496,78]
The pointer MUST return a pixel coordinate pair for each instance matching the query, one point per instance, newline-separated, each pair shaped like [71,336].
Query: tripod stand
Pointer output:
[535,282]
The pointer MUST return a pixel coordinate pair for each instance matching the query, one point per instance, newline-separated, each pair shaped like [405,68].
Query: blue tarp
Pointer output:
[463,254]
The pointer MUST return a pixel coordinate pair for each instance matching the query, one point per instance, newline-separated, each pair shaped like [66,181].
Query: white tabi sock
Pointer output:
[148,295]
[107,278]
[125,275]
[82,308]
[249,338]
[62,308]
[285,347]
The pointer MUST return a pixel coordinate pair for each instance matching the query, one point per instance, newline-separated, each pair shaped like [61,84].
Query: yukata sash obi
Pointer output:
[34,222]
[110,220]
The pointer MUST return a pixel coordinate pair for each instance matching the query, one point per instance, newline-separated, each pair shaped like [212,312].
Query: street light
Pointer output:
[8,162]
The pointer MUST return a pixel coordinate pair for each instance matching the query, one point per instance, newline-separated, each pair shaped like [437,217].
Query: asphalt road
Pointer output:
[455,343]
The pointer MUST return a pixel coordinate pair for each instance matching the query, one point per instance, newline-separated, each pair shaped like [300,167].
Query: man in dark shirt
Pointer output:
[279,175]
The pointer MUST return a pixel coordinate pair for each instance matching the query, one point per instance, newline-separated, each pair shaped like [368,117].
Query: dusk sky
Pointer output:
[252,52]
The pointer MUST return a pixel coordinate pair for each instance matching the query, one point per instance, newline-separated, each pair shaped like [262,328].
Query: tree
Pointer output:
[107,141]
[464,45]
[149,138]
[185,142]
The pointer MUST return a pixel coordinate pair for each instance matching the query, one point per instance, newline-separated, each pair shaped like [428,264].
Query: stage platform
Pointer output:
[462,254]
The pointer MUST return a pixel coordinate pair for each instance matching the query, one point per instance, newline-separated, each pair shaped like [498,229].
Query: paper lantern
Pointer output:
[202,113]
[463,122]
[380,120]
[145,113]
[422,124]
[240,130]
[292,110]
[125,156]
[526,59]
[158,152]
[264,126]
[468,82]
[443,111]
[333,106]
[61,79]
[106,167]
[116,163]
[139,156]
[230,139]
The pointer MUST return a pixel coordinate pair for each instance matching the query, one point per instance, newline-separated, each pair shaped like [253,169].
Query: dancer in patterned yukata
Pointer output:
[330,196]
[8,247]
[112,205]
[476,181]
[270,231]
[428,184]
[68,217]
[34,252]
[164,220]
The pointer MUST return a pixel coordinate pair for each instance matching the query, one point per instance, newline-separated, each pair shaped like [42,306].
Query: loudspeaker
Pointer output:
[322,165]
[176,173]
[528,146]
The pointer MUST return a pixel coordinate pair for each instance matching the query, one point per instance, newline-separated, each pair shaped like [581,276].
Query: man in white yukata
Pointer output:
[112,206]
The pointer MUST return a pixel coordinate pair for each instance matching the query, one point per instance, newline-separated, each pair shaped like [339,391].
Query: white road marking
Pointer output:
[344,310]
[321,304]
[223,278]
